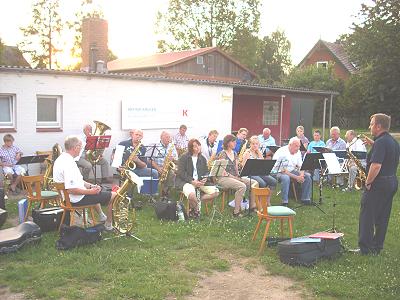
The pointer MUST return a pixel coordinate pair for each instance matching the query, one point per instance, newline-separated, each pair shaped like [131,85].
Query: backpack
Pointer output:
[73,236]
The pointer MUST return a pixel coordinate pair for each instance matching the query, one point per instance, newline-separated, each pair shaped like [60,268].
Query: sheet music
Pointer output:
[119,153]
[218,167]
[332,163]
[280,165]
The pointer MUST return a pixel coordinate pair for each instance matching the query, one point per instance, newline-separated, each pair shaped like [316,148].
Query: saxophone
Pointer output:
[48,174]
[168,165]
[361,177]
[211,160]
[129,163]
[240,156]
[124,216]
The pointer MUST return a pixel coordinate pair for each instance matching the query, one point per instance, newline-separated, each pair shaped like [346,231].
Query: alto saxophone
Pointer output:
[124,216]
[361,177]
[48,174]
[240,156]
[129,163]
[168,165]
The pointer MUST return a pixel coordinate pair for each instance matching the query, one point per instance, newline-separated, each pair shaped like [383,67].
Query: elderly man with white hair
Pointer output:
[288,164]
[336,143]
[266,139]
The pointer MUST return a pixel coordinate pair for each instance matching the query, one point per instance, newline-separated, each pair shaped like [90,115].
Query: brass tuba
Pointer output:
[124,216]
[48,174]
[94,155]
[361,177]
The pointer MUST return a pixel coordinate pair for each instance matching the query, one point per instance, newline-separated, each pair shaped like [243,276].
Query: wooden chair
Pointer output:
[293,186]
[185,200]
[32,185]
[269,214]
[68,207]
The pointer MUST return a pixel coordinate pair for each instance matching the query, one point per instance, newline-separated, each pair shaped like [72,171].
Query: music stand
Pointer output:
[312,162]
[256,167]
[273,149]
[31,159]
[152,152]
[217,169]
[302,148]
[94,143]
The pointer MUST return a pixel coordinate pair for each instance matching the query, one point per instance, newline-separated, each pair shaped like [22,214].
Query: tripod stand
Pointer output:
[97,143]
[218,167]
[311,162]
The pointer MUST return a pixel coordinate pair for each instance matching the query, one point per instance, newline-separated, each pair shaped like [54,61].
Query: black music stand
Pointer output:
[31,159]
[273,149]
[256,167]
[312,162]
[302,148]
[97,142]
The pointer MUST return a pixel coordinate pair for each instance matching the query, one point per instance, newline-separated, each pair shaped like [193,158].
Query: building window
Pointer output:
[49,111]
[200,60]
[322,64]
[7,111]
[271,113]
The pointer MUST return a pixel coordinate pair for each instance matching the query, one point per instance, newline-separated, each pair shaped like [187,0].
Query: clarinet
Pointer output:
[198,200]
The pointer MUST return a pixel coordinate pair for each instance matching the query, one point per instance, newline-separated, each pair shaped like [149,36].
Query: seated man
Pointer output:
[165,149]
[191,167]
[87,165]
[336,143]
[266,139]
[288,164]
[354,144]
[209,145]
[81,192]
[317,142]
[9,156]
[181,140]
[140,161]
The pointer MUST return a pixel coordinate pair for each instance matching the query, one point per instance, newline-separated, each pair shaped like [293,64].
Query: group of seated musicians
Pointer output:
[193,164]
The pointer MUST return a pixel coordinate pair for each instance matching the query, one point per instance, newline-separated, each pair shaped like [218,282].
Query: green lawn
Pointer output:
[172,256]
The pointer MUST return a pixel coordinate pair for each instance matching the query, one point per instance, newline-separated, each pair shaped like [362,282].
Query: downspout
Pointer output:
[324,119]
[281,121]
[330,112]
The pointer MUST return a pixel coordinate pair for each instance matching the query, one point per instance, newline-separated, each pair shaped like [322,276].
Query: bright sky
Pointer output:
[131,22]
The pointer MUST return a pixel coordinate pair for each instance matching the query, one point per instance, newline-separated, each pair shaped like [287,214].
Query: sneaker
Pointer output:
[103,219]
[108,227]
[347,189]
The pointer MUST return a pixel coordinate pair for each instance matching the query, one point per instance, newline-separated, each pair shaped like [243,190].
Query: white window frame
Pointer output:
[322,64]
[276,116]
[11,124]
[200,60]
[58,122]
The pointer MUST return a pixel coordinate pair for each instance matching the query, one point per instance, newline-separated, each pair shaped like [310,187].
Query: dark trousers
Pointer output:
[376,205]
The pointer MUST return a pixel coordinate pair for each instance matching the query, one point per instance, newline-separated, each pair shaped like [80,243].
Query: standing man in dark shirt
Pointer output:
[380,186]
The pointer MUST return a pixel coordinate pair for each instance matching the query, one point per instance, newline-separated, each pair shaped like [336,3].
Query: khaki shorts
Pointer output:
[206,189]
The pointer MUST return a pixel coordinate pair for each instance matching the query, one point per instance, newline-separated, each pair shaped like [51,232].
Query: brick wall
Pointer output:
[94,42]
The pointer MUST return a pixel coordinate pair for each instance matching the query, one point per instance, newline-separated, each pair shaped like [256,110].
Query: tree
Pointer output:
[1,51]
[42,38]
[189,24]
[374,46]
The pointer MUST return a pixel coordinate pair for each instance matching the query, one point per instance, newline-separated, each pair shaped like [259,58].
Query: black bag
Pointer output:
[11,239]
[3,216]
[307,254]
[166,210]
[49,219]
[73,236]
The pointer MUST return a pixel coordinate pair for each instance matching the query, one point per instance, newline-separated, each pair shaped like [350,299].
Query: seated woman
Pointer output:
[230,178]
[254,153]
[192,166]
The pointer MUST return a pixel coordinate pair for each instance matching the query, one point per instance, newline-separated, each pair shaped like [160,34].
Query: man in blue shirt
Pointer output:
[266,139]
[317,142]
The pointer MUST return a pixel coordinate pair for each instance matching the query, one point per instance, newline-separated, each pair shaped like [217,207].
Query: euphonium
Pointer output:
[361,177]
[129,163]
[48,174]
[94,155]
[168,165]
[124,216]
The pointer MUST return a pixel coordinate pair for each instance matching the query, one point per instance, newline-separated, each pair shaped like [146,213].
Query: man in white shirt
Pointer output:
[209,145]
[355,144]
[288,164]
[81,192]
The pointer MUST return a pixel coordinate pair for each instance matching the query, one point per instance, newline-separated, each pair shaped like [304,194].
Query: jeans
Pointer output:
[146,172]
[285,184]
[265,181]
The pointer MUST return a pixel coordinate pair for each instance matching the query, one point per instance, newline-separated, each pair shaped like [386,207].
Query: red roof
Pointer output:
[164,60]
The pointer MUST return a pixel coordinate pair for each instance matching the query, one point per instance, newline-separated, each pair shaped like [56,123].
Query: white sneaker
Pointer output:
[103,218]
[108,227]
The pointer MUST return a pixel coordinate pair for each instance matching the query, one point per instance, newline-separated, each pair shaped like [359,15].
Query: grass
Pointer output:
[173,255]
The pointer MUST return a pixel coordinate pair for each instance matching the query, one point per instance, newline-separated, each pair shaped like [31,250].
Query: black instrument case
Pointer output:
[11,239]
